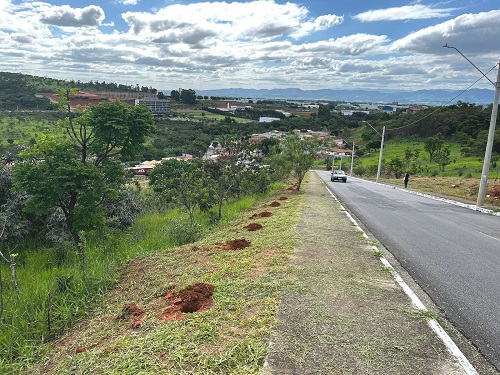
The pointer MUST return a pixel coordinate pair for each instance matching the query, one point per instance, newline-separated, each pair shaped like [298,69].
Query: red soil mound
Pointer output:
[136,312]
[275,204]
[234,244]
[283,198]
[253,227]
[265,214]
[194,298]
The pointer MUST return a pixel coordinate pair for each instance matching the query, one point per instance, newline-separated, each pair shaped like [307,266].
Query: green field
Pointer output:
[460,165]
[204,115]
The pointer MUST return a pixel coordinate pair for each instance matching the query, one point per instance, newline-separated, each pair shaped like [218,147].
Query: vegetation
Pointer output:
[69,218]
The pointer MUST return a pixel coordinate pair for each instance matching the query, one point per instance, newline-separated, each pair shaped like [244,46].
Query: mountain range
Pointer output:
[429,97]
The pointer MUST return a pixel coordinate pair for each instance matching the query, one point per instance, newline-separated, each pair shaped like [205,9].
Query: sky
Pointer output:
[258,44]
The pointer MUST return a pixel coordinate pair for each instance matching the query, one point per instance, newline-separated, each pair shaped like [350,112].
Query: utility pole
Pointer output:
[381,148]
[483,184]
[380,156]
[489,145]
[352,158]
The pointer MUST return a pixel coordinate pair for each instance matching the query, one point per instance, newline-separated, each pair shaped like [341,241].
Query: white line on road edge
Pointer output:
[433,324]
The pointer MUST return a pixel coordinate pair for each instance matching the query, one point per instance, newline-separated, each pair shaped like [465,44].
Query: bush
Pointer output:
[181,231]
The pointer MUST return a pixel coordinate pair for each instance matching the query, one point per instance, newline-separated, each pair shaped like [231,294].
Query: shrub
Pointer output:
[181,231]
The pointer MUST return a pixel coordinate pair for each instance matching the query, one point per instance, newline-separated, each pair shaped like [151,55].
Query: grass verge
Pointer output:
[229,338]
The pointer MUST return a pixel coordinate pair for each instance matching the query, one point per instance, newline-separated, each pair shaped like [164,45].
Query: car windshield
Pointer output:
[339,172]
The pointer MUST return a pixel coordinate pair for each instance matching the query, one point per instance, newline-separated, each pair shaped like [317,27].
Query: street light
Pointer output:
[489,145]
[381,148]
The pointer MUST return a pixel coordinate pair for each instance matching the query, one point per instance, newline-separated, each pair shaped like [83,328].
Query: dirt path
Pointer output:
[351,317]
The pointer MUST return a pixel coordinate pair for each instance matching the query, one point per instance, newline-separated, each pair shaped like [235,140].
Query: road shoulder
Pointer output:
[350,316]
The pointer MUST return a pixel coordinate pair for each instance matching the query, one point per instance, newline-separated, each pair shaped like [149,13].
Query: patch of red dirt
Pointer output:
[136,312]
[291,188]
[194,298]
[237,244]
[253,227]
[283,198]
[265,214]
[495,191]
[275,204]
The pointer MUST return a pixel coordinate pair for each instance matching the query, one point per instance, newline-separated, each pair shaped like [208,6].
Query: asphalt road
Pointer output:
[452,252]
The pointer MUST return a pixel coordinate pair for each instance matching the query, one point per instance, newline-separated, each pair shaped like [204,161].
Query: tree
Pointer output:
[396,166]
[442,157]
[432,145]
[175,95]
[324,113]
[183,183]
[188,96]
[297,157]
[76,175]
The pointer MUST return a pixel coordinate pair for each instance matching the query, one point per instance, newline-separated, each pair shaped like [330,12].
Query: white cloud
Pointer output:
[65,16]
[228,44]
[352,45]
[408,12]
[128,2]
[256,20]
[474,33]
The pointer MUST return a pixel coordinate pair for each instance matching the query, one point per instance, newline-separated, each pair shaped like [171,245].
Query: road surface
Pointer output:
[452,252]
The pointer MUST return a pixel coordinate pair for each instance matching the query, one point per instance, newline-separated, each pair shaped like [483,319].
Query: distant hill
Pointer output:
[430,97]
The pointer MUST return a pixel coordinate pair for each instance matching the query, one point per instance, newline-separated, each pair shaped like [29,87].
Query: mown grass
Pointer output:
[55,293]
[201,115]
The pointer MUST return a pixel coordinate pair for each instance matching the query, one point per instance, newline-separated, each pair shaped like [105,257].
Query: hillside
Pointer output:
[21,91]
[430,97]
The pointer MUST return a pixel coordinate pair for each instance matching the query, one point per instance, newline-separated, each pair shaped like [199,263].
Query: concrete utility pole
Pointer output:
[352,158]
[481,195]
[489,145]
[381,148]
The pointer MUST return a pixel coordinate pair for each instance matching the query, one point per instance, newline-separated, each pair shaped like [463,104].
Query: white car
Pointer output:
[338,175]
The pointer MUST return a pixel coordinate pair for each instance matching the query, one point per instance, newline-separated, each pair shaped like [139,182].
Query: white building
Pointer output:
[154,104]
[269,119]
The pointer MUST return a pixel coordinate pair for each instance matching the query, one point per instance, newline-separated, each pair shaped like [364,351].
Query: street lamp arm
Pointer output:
[370,125]
[465,57]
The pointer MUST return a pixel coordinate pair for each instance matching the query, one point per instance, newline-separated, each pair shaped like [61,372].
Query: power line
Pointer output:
[437,110]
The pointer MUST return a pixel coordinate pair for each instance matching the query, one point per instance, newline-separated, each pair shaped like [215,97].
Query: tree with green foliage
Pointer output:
[175,95]
[296,158]
[442,157]
[396,166]
[76,175]
[432,145]
[188,96]
[411,162]
[183,183]
[324,113]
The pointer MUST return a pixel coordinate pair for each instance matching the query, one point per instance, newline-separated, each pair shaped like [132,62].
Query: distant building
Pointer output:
[154,104]
[269,119]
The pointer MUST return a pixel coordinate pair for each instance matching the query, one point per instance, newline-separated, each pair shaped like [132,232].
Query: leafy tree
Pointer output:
[396,166]
[432,145]
[183,183]
[324,113]
[297,157]
[268,145]
[175,95]
[442,157]
[77,175]
[188,96]
[411,162]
